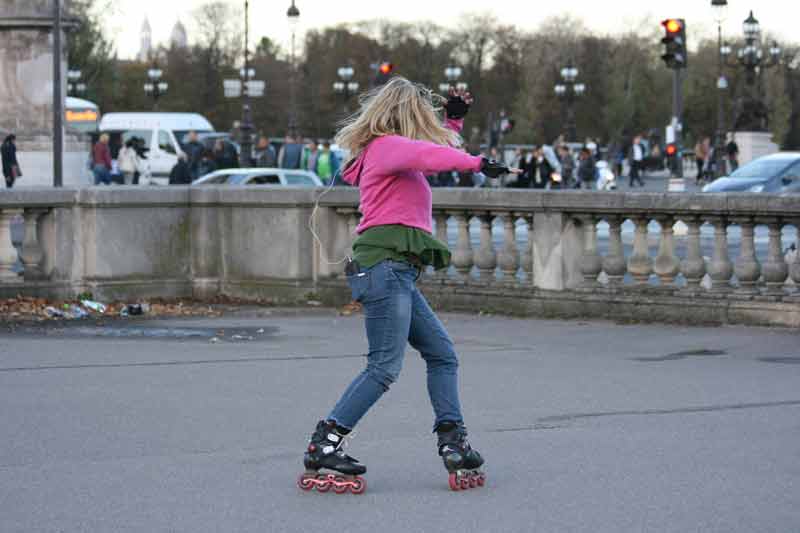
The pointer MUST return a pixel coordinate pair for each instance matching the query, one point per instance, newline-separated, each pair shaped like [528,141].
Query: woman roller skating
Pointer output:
[395,139]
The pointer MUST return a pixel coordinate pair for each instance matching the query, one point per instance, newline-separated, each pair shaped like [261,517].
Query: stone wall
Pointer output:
[622,256]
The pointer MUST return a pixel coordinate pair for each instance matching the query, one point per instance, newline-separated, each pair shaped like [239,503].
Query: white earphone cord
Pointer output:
[312,222]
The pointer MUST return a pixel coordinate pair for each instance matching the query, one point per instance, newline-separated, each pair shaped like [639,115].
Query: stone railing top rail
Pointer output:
[473,200]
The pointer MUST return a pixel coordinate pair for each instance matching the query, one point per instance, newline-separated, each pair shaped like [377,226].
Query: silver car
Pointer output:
[260,176]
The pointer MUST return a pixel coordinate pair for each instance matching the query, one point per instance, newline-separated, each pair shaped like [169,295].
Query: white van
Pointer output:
[160,132]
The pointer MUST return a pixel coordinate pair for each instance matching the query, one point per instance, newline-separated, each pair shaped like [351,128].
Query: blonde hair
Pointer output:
[104,138]
[399,107]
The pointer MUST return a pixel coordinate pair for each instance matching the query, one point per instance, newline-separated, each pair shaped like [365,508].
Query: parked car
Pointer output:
[260,176]
[159,133]
[777,174]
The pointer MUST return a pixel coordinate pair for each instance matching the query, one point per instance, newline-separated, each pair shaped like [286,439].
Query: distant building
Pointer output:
[146,42]
[179,39]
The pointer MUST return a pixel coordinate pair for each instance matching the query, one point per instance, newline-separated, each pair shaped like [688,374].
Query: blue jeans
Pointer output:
[397,313]
[101,175]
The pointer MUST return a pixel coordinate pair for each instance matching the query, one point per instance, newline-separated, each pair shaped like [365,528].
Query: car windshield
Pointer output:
[761,169]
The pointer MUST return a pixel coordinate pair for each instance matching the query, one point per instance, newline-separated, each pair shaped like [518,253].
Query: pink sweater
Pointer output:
[390,175]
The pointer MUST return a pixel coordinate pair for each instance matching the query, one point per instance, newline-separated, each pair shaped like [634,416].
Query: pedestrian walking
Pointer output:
[207,164]
[128,161]
[327,163]
[636,158]
[266,157]
[586,169]
[181,173]
[567,167]
[194,152]
[8,153]
[291,153]
[394,139]
[225,155]
[732,151]
[699,159]
[101,161]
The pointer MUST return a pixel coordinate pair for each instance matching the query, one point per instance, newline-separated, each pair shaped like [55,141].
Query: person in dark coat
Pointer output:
[206,164]
[10,164]
[194,152]
[586,169]
[181,174]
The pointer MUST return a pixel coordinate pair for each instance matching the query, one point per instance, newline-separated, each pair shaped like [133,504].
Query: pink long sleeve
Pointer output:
[400,154]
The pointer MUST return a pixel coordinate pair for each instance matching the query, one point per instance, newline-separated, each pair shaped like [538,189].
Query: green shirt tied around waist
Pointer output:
[396,242]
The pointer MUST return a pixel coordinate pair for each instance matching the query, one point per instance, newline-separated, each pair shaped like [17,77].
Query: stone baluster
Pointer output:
[747,267]
[614,262]
[462,255]
[526,259]
[794,268]
[591,262]
[508,259]
[667,264]
[440,217]
[721,268]
[693,267]
[640,265]
[775,269]
[485,256]
[8,254]
[32,255]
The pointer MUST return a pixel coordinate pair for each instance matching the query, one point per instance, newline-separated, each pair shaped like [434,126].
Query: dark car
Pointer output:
[775,174]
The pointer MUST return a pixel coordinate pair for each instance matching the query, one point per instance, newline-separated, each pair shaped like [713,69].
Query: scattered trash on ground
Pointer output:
[94,306]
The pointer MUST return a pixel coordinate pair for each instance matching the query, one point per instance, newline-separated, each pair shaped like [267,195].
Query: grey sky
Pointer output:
[269,16]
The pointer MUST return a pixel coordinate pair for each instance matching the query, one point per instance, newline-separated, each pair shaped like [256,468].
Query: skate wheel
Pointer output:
[358,486]
[481,480]
[340,485]
[305,482]
[324,483]
[454,482]
[473,481]
[464,483]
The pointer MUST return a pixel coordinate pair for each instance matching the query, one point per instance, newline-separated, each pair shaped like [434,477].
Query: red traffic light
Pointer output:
[386,68]
[672,25]
[672,150]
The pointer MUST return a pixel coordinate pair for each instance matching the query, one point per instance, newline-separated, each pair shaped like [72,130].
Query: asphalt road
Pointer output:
[592,427]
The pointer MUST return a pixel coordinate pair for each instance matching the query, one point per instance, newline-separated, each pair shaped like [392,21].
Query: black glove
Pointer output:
[492,168]
[456,107]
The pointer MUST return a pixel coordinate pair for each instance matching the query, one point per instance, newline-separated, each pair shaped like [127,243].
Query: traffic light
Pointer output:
[675,53]
[383,72]
[672,149]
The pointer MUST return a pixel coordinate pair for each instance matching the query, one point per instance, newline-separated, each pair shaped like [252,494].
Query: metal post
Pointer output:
[719,145]
[292,102]
[677,112]
[58,102]
[246,126]
[572,127]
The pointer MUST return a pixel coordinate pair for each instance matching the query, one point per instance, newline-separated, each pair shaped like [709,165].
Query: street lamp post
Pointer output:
[569,91]
[345,86]
[245,87]
[155,87]
[246,73]
[75,85]
[720,8]
[751,58]
[293,15]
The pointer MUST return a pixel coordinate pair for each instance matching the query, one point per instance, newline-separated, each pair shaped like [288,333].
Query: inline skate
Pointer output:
[326,451]
[460,460]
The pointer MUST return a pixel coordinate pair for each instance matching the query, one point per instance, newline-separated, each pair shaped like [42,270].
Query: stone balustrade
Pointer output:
[694,258]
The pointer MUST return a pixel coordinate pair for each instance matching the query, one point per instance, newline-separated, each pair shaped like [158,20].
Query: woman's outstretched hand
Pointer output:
[495,169]
[458,102]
